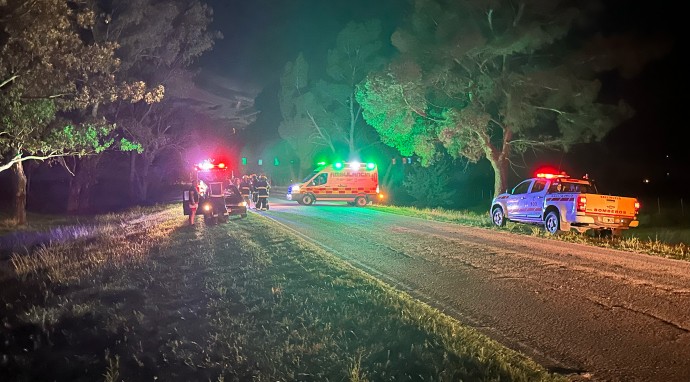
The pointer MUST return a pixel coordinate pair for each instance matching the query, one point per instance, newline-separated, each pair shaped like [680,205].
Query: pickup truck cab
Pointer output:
[562,203]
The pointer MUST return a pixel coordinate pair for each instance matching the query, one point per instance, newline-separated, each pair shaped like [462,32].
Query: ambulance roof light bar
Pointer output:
[352,165]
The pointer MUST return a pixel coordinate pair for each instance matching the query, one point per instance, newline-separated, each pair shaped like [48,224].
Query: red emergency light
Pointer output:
[551,176]
[208,165]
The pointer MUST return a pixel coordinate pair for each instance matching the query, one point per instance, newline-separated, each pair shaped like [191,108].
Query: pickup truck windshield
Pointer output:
[582,188]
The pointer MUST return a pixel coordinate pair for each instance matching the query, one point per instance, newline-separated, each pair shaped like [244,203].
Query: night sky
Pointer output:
[260,36]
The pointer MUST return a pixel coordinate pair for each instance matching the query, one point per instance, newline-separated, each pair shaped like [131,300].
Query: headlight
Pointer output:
[207,207]
[243,204]
[295,188]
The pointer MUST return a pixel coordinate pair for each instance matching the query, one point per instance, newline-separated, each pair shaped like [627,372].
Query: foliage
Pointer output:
[429,186]
[156,43]
[488,80]
[48,66]
[323,113]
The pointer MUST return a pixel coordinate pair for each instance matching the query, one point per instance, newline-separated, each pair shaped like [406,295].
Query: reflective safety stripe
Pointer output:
[263,196]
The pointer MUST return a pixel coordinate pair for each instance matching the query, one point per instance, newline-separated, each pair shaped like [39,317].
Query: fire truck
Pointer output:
[353,182]
[219,198]
[561,203]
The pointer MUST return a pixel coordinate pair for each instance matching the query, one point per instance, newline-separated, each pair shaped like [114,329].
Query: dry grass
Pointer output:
[144,297]
[669,243]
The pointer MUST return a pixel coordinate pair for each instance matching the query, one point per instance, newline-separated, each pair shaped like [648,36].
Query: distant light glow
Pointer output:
[221,165]
[321,163]
[338,165]
[370,166]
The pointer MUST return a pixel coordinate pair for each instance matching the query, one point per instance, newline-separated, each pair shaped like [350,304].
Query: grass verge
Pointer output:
[147,297]
[667,243]
[304,314]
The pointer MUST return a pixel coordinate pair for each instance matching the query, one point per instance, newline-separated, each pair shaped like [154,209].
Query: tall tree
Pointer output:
[47,67]
[491,79]
[157,41]
[324,112]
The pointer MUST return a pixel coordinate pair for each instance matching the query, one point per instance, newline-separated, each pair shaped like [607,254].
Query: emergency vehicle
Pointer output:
[559,203]
[219,198]
[353,182]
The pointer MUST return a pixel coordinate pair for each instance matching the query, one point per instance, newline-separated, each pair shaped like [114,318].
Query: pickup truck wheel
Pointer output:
[308,199]
[498,217]
[552,224]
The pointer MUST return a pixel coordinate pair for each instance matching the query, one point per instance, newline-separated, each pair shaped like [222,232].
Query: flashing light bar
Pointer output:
[208,165]
[551,176]
[351,165]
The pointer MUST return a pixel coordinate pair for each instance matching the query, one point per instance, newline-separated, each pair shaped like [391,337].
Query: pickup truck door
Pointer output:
[534,201]
[517,199]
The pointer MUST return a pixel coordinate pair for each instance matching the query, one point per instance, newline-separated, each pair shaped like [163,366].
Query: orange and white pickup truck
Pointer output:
[562,203]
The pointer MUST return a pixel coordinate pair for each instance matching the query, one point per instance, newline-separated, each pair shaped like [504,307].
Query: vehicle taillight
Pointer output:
[637,207]
[581,204]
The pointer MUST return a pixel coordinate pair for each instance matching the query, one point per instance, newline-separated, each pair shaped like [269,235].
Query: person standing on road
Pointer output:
[245,190]
[255,195]
[193,204]
[262,186]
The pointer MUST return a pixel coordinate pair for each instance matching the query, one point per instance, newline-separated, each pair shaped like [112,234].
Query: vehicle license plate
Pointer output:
[608,220]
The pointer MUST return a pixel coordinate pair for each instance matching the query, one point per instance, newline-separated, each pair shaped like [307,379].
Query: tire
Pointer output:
[361,201]
[552,223]
[498,217]
[308,199]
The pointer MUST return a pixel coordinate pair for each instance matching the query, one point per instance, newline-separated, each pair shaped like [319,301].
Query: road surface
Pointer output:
[590,313]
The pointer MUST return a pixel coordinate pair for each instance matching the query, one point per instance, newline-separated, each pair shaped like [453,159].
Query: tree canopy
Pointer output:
[492,79]
[47,67]
[322,113]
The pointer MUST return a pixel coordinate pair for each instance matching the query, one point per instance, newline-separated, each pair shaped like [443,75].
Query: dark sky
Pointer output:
[262,35]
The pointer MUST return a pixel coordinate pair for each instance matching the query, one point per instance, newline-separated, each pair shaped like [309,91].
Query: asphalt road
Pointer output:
[590,313]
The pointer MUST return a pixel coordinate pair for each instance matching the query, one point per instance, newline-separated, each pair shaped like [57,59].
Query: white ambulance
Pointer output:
[352,182]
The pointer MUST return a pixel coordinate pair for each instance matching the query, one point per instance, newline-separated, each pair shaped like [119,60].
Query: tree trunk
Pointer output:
[85,177]
[499,159]
[144,180]
[133,191]
[500,168]
[20,193]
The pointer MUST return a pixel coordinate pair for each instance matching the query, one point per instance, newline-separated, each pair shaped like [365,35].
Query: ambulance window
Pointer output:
[309,176]
[321,179]
[538,186]
[522,187]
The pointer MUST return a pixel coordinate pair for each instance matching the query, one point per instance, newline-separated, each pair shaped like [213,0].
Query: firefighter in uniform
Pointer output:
[262,188]
[246,190]
[255,195]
